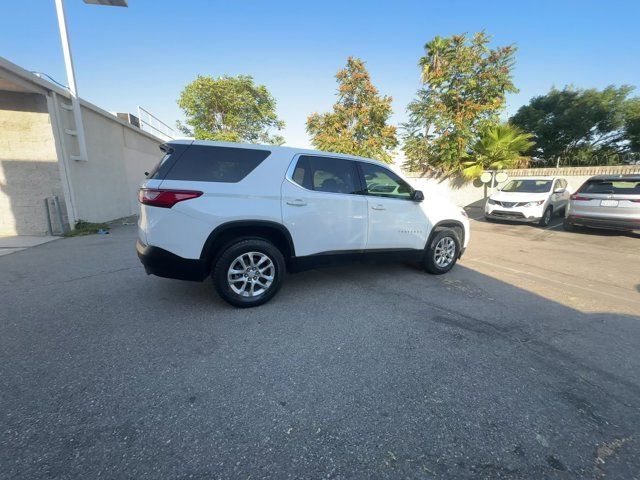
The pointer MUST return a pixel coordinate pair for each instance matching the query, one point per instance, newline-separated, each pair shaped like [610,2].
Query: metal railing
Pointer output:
[152,124]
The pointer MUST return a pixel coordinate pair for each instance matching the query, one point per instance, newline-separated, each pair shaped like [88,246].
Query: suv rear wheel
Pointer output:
[442,252]
[248,273]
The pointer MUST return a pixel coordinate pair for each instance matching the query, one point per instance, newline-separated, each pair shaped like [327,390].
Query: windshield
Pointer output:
[528,186]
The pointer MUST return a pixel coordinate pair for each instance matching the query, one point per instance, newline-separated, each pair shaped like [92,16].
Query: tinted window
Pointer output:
[325,174]
[619,187]
[302,174]
[382,182]
[527,186]
[170,154]
[216,164]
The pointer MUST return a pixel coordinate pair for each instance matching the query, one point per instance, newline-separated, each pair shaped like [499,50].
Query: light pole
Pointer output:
[71,75]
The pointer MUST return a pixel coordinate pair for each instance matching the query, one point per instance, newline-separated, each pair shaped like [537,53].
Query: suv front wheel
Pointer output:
[442,252]
[248,273]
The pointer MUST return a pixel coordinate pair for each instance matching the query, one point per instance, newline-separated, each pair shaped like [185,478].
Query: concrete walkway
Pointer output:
[15,243]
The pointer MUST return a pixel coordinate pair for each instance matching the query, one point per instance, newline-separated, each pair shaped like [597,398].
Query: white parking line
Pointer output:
[554,226]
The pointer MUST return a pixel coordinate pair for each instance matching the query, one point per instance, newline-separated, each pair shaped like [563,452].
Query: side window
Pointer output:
[203,163]
[324,174]
[302,173]
[382,182]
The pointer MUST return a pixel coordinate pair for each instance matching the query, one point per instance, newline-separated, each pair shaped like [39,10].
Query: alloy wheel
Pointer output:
[251,274]
[444,252]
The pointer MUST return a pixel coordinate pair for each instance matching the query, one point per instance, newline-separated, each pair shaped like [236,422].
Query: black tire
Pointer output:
[568,226]
[546,217]
[234,251]
[430,263]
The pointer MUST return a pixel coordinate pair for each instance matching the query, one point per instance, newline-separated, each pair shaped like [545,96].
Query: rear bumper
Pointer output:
[609,223]
[162,263]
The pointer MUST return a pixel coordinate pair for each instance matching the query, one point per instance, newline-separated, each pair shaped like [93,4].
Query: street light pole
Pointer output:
[71,78]
[71,74]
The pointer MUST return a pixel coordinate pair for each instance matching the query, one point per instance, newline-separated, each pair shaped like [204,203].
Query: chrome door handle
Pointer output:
[296,203]
[377,207]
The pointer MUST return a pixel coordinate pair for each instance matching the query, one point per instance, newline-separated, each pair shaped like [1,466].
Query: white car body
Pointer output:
[528,206]
[316,223]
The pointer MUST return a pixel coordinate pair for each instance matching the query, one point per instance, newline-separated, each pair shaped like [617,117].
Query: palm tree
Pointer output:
[499,147]
[433,62]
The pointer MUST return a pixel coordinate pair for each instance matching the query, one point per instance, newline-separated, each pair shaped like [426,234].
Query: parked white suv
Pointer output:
[528,199]
[244,214]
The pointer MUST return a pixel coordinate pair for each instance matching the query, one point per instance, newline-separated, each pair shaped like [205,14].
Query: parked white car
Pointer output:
[528,199]
[243,214]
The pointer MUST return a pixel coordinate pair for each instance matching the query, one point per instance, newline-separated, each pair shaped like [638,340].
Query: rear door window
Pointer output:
[326,174]
[203,163]
[302,173]
[612,187]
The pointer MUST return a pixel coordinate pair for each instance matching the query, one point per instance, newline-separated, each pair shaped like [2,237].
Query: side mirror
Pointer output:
[559,190]
[417,196]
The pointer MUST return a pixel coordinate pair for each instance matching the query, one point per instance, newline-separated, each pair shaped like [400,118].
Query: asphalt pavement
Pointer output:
[522,362]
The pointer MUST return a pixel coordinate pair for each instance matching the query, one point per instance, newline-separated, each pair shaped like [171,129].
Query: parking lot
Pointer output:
[522,362]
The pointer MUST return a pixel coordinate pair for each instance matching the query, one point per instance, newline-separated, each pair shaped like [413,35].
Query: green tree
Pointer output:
[499,147]
[465,83]
[232,109]
[575,124]
[632,124]
[358,123]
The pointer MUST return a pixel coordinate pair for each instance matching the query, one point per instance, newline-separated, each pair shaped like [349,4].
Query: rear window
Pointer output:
[203,163]
[612,187]
[169,154]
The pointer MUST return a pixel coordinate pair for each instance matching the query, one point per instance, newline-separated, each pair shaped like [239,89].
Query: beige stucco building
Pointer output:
[37,147]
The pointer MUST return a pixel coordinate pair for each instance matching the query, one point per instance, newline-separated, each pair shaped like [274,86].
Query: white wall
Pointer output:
[105,186]
[28,165]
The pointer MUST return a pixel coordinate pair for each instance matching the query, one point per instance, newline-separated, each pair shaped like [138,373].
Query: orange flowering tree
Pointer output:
[358,123]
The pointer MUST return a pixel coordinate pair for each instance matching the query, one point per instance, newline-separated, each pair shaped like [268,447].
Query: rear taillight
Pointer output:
[580,198]
[157,197]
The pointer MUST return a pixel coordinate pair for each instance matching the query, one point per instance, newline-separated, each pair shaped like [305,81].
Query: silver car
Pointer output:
[606,201]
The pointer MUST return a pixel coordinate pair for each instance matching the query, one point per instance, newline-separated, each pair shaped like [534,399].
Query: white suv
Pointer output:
[528,199]
[244,214]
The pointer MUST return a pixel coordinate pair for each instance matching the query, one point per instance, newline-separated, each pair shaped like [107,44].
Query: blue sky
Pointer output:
[145,54]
